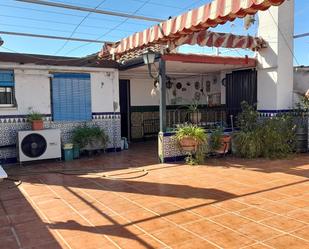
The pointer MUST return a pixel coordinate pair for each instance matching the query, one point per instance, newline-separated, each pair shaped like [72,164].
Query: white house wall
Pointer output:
[141,91]
[275,63]
[104,91]
[32,90]
[301,83]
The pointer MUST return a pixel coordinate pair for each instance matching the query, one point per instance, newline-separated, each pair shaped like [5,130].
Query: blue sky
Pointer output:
[30,18]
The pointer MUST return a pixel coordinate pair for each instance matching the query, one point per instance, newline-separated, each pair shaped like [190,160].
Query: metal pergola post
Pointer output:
[162,82]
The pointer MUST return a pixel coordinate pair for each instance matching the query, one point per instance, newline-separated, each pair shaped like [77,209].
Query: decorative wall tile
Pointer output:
[169,147]
[8,130]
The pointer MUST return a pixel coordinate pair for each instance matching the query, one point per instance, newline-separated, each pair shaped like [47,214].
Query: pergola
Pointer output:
[191,28]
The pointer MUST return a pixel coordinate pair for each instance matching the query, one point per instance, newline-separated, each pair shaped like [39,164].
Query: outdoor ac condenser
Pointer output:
[39,145]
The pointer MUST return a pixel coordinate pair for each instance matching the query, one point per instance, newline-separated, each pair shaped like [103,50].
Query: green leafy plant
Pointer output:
[34,116]
[84,135]
[271,138]
[199,135]
[248,144]
[247,119]
[215,139]
[199,156]
[191,131]
[193,107]
[278,137]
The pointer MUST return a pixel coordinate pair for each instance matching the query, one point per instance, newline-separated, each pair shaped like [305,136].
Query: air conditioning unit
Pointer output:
[39,145]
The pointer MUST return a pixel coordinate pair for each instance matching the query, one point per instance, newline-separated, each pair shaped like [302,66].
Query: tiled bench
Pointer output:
[3,174]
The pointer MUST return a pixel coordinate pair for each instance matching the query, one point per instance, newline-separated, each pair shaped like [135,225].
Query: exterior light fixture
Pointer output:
[149,59]
[1,41]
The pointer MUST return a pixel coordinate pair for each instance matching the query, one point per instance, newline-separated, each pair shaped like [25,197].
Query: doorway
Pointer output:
[125,103]
[240,86]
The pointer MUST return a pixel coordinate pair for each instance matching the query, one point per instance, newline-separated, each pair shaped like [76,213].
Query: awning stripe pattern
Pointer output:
[209,15]
[213,39]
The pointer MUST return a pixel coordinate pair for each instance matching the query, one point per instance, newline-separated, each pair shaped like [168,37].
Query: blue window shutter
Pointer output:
[71,97]
[6,78]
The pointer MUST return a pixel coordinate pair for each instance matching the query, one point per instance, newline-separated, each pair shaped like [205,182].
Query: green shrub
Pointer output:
[248,144]
[85,135]
[247,119]
[270,138]
[215,139]
[278,137]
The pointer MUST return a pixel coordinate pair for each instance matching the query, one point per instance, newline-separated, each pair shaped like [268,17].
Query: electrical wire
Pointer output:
[43,28]
[18,182]
[63,23]
[112,29]
[68,14]
[45,59]
[138,1]
[284,38]
[77,26]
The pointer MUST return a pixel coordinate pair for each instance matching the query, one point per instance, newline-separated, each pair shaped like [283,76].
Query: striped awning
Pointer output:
[209,15]
[223,40]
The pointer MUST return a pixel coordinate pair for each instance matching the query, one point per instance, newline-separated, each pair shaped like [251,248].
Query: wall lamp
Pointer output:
[149,59]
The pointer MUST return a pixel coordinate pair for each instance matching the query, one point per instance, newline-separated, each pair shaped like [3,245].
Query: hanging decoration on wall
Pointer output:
[174,93]
[188,83]
[215,80]
[197,96]
[155,88]
[223,82]
[184,89]
[169,83]
[202,83]
[179,85]
[208,83]
[197,85]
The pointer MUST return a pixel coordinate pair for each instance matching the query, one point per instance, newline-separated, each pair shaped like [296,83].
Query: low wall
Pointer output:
[10,125]
[169,149]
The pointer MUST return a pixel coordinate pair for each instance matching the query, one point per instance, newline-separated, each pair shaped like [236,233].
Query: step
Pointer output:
[3,174]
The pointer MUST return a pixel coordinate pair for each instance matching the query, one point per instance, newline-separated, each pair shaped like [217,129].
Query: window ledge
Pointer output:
[9,108]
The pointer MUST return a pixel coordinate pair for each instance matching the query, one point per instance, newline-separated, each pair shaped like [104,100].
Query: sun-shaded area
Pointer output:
[127,200]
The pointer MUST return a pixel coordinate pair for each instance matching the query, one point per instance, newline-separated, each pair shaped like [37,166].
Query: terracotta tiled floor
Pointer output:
[127,200]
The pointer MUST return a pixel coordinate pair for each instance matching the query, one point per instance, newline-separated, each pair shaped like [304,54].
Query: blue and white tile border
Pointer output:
[11,124]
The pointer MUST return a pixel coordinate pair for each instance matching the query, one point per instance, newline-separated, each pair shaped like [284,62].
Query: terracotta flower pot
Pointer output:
[188,144]
[37,125]
[195,117]
[225,141]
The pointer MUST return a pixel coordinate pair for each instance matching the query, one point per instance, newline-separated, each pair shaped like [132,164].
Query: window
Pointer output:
[7,97]
[71,97]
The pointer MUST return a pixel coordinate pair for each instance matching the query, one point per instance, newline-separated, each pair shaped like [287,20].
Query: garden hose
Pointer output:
[19,182]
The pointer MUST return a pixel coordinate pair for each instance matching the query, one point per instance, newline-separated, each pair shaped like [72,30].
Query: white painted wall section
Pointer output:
[104,91]
[275,68]
[32,88]
[141,91]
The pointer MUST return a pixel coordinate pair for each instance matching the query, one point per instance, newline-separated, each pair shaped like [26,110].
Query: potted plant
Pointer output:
[36,120]
[89,138]
[194,114]
[220,143]
[190,137]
